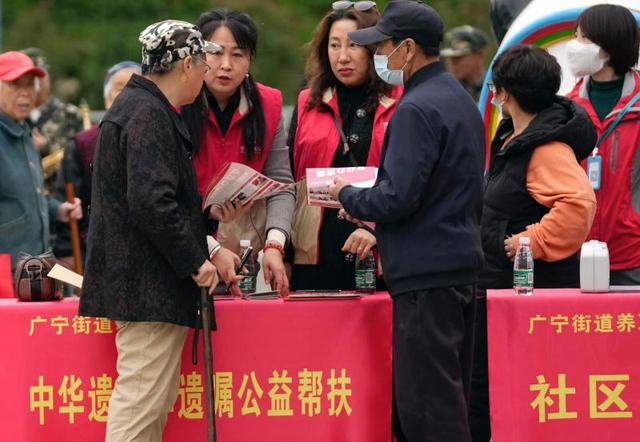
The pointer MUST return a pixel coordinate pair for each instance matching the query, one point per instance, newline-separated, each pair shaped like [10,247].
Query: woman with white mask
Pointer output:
[603,55]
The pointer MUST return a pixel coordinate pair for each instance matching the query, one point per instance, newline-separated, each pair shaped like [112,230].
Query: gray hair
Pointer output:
[113,70]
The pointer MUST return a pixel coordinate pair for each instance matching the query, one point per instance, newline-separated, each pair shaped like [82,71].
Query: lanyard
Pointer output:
[615,123]
[594,162]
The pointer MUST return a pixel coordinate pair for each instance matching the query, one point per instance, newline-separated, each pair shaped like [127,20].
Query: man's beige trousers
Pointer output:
[149,355]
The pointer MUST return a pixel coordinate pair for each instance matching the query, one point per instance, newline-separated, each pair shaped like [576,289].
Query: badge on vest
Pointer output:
[594,171]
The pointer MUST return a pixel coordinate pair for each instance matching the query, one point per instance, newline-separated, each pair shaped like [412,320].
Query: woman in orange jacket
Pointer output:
[534,188]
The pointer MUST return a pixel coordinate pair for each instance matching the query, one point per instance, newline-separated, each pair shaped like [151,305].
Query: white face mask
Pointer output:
[394,77]
[584,58]
[496,103]
[500,107]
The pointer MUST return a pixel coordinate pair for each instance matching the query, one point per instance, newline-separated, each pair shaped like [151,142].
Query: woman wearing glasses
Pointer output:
[237,119]
[344,95]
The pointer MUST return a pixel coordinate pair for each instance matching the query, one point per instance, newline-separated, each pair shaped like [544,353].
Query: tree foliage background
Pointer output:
[82,38]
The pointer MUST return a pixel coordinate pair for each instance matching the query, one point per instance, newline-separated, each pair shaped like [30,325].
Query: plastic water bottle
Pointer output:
[366,274]
[523,269]
[248,282]
[261,286]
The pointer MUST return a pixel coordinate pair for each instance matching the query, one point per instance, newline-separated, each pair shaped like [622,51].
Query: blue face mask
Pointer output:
[394,77]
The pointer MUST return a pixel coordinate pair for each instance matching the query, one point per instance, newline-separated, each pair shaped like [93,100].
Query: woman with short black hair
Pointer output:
[603,56]
[531,76]
[534,188]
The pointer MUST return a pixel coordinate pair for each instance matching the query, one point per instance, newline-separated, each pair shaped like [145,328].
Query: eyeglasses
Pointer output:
[361,6]
[202,60]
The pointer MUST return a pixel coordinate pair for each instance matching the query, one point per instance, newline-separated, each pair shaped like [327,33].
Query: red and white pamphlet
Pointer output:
[319,180]
[239,183]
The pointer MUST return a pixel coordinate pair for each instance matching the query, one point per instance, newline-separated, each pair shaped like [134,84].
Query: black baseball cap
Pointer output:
[404,19]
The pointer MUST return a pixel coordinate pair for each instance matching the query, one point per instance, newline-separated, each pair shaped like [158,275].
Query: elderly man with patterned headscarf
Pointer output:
[147,249]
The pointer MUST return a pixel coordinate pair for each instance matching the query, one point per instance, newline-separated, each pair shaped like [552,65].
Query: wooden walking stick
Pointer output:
[75,232]
[208,362]
[65,167]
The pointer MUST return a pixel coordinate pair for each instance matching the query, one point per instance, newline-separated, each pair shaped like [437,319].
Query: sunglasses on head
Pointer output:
[358,6]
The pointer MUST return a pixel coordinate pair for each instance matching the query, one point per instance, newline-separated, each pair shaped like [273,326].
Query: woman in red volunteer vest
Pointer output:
[239,120]
[344,91]
[602,56]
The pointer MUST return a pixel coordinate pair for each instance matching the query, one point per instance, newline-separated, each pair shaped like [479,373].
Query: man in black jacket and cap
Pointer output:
[147,250]
[427,204]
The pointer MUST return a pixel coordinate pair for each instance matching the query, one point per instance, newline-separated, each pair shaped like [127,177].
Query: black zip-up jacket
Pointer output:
[147,234]
[427,200]
[509,208]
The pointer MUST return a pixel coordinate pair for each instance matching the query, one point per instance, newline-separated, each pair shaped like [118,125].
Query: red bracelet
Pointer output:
[274,245]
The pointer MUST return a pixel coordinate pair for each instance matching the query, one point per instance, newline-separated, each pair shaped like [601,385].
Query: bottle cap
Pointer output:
[245,243]
[524,240]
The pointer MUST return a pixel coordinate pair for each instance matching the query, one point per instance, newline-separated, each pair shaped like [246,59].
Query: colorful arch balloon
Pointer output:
[546,24]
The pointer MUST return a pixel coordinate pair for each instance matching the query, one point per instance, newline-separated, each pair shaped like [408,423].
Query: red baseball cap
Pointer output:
[14,64]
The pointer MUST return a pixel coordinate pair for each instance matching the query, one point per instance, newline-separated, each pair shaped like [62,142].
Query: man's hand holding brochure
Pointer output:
[320,182]
[324,185]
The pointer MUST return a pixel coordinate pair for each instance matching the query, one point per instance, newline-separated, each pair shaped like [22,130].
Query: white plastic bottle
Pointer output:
[523,269]
[261,286]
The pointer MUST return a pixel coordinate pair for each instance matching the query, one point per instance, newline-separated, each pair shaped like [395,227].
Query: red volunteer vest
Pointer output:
[317,136]
[216,150]
[617,220]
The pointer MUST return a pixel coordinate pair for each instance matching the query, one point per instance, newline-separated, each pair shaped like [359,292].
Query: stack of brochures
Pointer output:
[321,294]
[259,296]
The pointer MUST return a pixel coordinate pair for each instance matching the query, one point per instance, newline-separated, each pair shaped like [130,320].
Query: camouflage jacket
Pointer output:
[58,122]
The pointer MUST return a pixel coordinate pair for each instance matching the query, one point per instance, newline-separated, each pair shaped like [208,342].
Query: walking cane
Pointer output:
[73,223]
[75,232]
[208,363]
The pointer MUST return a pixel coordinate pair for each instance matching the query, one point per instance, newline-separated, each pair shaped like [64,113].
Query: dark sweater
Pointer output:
[427,200]
[604,95]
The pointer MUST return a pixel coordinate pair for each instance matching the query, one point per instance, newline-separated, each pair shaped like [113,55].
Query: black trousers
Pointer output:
[479,405]
[432,358]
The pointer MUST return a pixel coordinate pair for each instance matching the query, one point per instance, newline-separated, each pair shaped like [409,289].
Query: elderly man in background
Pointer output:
[25,210]
[78,156]
[54,121]
[464,52]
